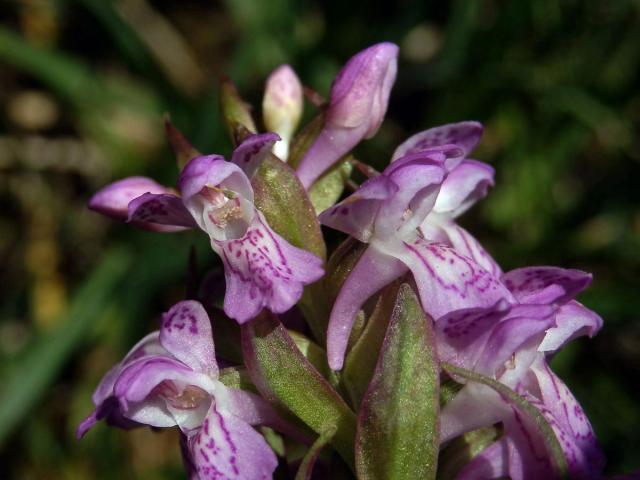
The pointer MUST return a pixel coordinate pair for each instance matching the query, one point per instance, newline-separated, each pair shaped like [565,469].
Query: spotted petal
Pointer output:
[113,200]
[447,280]
[545,284]
[441,228]
[569,422]
[153,211]
[186,334]
[263,270]
[228,448]
[253,150]
[464,134]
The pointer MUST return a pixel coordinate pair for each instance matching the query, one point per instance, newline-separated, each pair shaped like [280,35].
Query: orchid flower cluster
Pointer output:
[406,353]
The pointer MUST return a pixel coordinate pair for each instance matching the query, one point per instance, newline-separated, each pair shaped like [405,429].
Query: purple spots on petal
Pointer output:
[180,318]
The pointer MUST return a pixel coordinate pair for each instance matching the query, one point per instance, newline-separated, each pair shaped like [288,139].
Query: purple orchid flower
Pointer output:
[170,378]
[511,343]
[261,268]
[386,212]
[467,182]
[282,107]
[357,105]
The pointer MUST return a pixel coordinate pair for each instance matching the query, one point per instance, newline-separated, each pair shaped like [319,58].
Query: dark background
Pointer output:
[84,83]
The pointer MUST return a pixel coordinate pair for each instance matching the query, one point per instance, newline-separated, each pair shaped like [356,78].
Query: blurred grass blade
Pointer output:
[398,432]
[40,365]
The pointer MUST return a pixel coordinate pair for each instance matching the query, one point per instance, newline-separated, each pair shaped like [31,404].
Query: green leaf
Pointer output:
[528,410]
[280,196]
[327,189]
[361,360]
[38,368]
[306,466]
[303,140]
[283,375]
[398,430]
[316,356]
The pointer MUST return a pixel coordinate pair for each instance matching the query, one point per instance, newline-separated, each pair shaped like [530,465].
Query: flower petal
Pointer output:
[113,200]
[357,213]
[262,269]
[373,271]
[545,284]
[447,280]
[282,106]
[418,179]
[464,186]
[464,134]
[160,212]
[146,385]
[524,323]
[572,320]
[228,448]
[360,92]
[253,150]
[213,171]
[446,230]
[186,334]
[463,333]
[571,425]
[358,103]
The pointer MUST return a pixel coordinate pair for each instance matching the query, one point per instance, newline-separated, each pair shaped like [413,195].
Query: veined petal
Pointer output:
[446,230]
[418,180]
[146,386]
[113,200]
[373,271]
[228,448]
[464,186]
[282,106]
[213,171]
[462,334]
[545,284]
[186,334]
[571,425]
[158,211]
[524,323]
[149,345]
[464,134]
[446,279]
[253,150]
[572,320]
[262,269]
[357,213]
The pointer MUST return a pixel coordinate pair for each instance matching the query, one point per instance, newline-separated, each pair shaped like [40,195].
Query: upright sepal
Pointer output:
[398,431]
[235,112]
[181,147]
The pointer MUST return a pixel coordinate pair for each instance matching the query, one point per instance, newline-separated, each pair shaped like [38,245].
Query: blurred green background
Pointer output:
[84,83]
